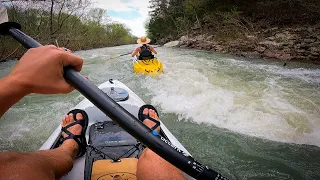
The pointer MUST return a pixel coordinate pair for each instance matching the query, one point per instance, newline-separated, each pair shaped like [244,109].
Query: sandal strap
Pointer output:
[151,119]
[80,139]
[76,138]
[66,131]
[143,117]
[81,122]
[72,136]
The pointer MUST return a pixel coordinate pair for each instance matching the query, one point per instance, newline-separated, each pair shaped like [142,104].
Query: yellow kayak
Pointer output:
[149,67]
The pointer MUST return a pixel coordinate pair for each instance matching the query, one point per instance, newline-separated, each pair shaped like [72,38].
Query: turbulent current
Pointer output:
[247,119]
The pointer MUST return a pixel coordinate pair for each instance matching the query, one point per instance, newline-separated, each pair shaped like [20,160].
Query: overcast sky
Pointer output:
[132,13]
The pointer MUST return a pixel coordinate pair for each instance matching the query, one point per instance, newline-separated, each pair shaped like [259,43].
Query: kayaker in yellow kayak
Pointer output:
[145,51]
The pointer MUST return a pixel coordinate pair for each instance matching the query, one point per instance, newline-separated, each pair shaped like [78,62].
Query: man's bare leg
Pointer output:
[150,165]
[44,164]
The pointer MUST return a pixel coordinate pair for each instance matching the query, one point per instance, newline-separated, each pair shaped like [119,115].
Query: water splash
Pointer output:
[242,96]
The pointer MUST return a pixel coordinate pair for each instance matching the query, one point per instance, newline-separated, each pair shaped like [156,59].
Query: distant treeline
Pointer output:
[68,23]
[227,18]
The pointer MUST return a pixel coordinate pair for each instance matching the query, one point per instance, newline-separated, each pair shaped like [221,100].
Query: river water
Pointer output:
[247,119]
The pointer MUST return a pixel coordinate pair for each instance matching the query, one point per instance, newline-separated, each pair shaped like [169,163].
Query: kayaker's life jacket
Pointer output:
[145,53]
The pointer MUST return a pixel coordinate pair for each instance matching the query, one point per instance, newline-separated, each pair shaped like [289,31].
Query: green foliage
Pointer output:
[74,31]
[227,18]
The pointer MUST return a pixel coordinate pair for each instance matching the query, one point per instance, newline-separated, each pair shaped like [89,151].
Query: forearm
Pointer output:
[10,93]
[153,50]
[134,53]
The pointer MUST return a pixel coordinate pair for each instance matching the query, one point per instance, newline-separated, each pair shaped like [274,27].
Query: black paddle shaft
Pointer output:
[124,119]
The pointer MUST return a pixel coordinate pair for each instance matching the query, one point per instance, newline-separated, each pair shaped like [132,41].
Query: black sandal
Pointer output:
[143,117]
[80,139]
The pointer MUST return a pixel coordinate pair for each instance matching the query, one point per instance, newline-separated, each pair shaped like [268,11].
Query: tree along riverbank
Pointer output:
[69,24]
[272,29]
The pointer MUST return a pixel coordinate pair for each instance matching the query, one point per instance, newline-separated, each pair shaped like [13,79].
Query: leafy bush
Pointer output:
[70,26]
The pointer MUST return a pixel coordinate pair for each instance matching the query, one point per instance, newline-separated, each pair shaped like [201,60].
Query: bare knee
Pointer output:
[152,166]
[149,154]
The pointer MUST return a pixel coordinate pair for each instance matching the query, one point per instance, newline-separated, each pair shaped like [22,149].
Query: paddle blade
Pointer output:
[3,14]
[4,24]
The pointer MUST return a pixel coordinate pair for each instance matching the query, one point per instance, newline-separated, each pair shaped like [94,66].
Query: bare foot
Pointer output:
[70,144]
[153,115]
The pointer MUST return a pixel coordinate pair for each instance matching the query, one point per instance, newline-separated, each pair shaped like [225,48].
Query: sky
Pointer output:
[132,13]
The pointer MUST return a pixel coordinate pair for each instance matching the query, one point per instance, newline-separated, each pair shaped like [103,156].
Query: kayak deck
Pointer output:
[106,136]
[152,67]
[110,144]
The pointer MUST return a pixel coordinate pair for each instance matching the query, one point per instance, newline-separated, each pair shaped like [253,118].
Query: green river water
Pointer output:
[247,119]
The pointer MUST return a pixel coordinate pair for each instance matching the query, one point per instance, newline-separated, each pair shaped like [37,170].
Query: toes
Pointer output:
[79,116]
[64,120]
[67,120]
[156,115]
[153,114]
[145,111]
[70,118]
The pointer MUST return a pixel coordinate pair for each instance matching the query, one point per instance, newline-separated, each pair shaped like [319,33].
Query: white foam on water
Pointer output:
[185,90]
[308,75]
[33,120]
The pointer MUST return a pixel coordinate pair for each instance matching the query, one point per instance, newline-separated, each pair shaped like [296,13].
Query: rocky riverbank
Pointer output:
[288,44]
